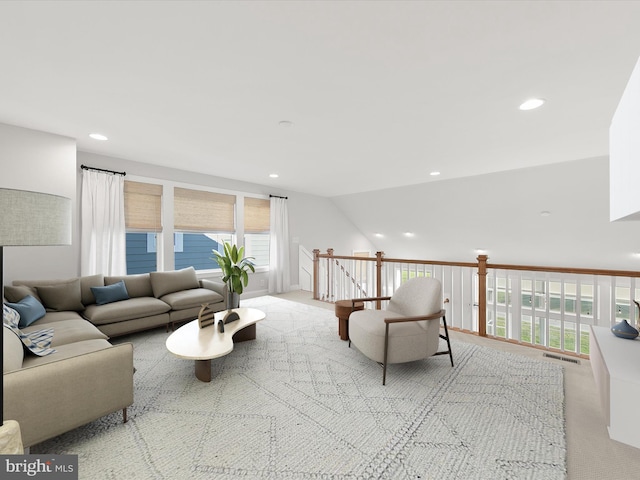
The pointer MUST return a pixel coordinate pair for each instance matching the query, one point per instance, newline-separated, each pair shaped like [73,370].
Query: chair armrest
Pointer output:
[368,299]
[218,287]
[433,316]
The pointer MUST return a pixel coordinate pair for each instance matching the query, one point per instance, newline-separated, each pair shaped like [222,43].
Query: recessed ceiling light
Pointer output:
[273,175]
[481,251]
[98,136]
[545,213]
[409,234]
[531,104]
[434,174]
[379,235]
[285,123]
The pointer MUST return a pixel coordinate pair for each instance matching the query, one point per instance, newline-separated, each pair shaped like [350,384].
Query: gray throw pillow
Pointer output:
[18,292]
[174,281]
[62,296]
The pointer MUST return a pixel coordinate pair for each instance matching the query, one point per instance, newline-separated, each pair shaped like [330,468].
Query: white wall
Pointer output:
[41,162]
[314,222]
[624,151]
[501,213]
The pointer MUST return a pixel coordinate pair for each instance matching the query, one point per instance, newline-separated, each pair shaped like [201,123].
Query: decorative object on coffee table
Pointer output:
[205,316]
[235,273]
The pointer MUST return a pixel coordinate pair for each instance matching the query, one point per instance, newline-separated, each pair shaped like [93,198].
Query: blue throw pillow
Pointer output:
[110,293]
[29,309]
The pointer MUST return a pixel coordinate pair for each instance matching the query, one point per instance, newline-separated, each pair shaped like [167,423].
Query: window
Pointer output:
[143,221]
[202,222]
[256,230]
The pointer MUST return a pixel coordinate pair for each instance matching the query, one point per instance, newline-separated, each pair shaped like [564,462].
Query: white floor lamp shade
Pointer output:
[30,218]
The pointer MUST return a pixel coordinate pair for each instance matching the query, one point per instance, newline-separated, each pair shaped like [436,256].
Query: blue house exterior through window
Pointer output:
[191,249]
[140,258]
[195,249]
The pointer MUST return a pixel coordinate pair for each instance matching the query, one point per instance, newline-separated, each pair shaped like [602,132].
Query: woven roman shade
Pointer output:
[200,211]
[143,206]
[256,215]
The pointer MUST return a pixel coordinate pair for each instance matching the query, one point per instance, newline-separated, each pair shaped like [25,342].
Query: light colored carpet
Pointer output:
[298,403]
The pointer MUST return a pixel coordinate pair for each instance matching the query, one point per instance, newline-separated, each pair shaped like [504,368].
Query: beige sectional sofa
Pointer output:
[154,299]
[87,377]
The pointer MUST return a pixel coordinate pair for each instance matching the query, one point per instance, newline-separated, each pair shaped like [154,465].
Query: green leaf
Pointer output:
[234,267]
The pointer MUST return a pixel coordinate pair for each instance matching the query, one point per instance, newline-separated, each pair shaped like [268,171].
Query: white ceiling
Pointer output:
[380,93]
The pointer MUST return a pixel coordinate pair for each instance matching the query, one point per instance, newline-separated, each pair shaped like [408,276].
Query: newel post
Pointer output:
[379,256]
[330,278]
[316,273]
[482,295]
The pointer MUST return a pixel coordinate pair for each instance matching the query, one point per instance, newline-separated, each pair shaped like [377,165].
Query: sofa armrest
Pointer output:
[218,287]
[50,399]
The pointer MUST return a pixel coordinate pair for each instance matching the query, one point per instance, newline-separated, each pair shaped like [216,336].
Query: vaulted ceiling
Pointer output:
[376,94]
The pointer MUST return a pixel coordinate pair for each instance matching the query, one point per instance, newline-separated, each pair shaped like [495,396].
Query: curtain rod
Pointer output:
[277,196]
[85,167]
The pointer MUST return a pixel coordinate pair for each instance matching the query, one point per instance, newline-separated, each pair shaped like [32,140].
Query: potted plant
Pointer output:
[235,273]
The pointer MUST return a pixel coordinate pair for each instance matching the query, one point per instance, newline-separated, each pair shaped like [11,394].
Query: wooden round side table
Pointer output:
[343,310]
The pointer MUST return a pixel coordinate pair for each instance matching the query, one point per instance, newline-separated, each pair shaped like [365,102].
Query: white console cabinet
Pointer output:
[616,367]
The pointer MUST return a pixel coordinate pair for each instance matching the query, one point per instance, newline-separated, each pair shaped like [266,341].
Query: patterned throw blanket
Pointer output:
[38,342]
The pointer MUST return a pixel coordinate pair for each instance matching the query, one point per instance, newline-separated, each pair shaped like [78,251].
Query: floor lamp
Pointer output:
[28,218]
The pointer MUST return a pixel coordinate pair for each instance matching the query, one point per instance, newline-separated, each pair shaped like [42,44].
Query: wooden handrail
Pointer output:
[570,270]
[495,266]
[432,262]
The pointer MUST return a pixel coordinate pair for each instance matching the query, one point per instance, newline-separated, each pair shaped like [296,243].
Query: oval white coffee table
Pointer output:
[203,344]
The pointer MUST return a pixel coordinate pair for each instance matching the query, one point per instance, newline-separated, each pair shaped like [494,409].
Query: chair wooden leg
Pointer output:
[386,349]
[446,334]
[124,415]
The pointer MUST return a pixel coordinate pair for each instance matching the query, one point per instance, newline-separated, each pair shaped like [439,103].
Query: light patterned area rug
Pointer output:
[298,403]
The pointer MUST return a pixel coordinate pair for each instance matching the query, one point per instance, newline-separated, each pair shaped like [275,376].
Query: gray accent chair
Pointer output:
[407,330]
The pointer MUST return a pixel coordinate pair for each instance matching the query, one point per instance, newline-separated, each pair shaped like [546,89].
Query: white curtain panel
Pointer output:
[279,275]
[103,240]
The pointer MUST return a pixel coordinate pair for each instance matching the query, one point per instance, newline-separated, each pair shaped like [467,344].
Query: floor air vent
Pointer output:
[564,359]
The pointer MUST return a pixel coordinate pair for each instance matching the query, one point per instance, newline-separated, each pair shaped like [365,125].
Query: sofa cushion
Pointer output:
[110,293]
[191,298]
[29,310]
[70,331]
[53,317]
[86,283]
[174,281]
[138,285]
[12,351]
[125,310]
[67,351]
[62,296]
[15,293]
